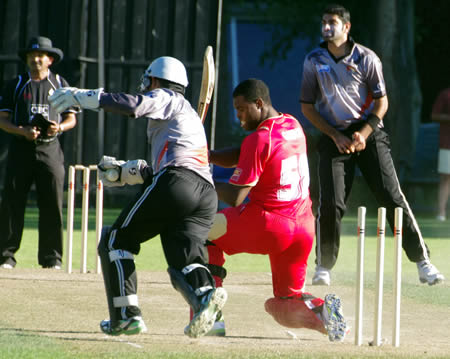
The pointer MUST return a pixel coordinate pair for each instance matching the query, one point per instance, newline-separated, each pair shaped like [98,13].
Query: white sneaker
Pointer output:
[441,218]
[203,321]
[130,326]
[321,276]
[6,266]
[333,318]
[218,329]
[428,273]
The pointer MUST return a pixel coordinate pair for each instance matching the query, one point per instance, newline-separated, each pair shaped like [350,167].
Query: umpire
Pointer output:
[34,155]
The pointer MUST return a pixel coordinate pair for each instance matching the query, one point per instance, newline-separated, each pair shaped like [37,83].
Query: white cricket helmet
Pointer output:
[166,68]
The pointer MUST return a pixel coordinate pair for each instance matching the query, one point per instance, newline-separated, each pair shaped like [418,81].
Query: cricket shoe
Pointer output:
[428,273]
[130,326]
[218,329]
[203,321]
[6,266]
[333,318]
[321,276]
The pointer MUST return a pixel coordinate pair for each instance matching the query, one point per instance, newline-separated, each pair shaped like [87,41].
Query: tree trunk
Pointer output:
[394,43]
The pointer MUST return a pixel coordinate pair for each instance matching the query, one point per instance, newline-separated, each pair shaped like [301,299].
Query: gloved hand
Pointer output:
[109,163]
[129,172]
[64,97]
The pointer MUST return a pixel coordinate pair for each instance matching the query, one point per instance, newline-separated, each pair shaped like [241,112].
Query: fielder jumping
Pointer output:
[177,200]
[272,170]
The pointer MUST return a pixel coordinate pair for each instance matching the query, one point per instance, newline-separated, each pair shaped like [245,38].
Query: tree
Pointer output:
[395,45]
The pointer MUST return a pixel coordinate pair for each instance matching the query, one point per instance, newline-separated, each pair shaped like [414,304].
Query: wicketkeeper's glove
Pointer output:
[129,172]
[64,97]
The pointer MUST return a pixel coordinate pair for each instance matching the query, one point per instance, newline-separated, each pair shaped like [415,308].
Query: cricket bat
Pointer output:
[208,79]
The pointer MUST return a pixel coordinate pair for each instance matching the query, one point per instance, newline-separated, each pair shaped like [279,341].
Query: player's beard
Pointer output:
[334,33]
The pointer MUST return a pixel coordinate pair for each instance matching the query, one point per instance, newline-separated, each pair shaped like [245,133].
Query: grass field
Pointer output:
[50,314]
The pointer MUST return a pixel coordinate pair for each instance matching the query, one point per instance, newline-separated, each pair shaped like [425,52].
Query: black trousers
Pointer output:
[43,165]
[336,173]
[178,205]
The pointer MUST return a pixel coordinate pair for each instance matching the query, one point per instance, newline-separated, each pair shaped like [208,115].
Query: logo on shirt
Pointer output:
[39,108]
[236,174]
[351,69]
[35,108]
[291,135]
[323,68]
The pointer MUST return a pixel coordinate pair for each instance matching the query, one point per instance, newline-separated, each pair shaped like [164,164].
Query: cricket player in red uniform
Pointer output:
[272,170]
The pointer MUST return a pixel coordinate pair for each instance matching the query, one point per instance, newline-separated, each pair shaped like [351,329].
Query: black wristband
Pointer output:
[373,121]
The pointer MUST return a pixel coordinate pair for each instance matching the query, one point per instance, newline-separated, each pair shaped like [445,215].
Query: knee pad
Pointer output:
[293,313]
[219,227]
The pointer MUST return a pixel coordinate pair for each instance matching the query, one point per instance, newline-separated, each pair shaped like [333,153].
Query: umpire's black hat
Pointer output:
[40,43]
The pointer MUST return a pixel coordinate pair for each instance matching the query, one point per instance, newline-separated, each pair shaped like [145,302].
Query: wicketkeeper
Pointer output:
[177,201]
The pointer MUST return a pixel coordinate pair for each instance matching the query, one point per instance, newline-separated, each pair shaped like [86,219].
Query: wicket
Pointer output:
[84,216]
[398,220]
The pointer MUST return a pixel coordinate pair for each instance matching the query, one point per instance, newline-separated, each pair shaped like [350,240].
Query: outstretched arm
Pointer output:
[64,97]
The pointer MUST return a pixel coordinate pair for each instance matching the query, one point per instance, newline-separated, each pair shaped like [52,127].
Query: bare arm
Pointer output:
[68,122]
[343,143]
[359,137]
[30,133]
[231,194]
[227,157]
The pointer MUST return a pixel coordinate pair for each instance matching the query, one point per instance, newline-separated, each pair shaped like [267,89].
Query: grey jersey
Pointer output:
[342,90]
[174,131]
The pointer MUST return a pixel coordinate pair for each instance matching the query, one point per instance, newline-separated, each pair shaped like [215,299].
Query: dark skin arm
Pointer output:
[359,137]
[231,194]
[30,133]
[227,157]
[343,143]
[68,122]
